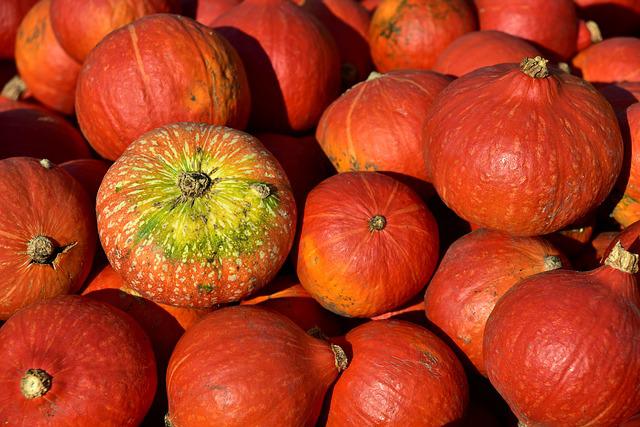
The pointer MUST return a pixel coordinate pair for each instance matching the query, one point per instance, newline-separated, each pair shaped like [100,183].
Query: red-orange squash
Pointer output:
[399,374]
[562,347]
[627,210]
[612,60]
[208,11]
[551,24]
[196,215]
[49,73]
[11,14]
[479,49]
[474,273]
[368,244]
[158,70]
[377,125]
[292,62]
[614,17]
[621,95]
[72,361]
[49,235]
[410,34]
[80,25]
[527,149]
[266,371]
[88,172]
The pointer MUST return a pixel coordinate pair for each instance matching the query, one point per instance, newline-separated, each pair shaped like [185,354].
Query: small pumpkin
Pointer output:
[612,60]
[627,210]
[12,12]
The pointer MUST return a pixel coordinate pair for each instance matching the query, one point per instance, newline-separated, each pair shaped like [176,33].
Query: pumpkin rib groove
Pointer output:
[144,77]
[405,255]
[393,193]
[350,145]
[372,196]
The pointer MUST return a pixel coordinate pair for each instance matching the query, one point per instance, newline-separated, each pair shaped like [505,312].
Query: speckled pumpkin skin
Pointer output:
[204,250]
[522,154]
[612,60]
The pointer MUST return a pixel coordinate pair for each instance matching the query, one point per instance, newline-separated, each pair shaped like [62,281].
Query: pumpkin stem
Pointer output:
[194,184]
[14,88]
[622,260]
[262,190]
[46,163]
[552,262]
[374,75]
[377,223]
[340,356]
[594,31]
[35,383]
[167,421]
[41,249]
[535,67]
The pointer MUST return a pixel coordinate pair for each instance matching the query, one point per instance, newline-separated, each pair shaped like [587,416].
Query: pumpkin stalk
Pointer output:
[41,249]
[535,67]
[594,31]
[377,223]
[622,260]
[552,262]
[194,184]
[619,273]
[341,357]
[35,383]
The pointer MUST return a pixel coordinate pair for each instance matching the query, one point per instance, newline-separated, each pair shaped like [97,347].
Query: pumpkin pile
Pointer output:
[320,213]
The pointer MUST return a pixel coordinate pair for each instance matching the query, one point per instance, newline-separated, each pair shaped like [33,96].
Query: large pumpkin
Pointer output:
[73,361]
[479,49]
[627,210]
[49,235]
[49,73]
[358,137]
[292,62]
[80,26]
[11,14]
[249,366]
[368,244]
[614,17]
[562,347]
[410,34]
[524,148]
[196,215]
[158,70]
[550,24]
[474,273]
[612,60]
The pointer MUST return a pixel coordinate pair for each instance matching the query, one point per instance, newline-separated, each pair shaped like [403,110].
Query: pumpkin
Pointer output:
[49,237]
[615,17]
[28,130]
[88,172]
[49,73]
[479,49]
[269,371]
[348,22]
[561,347]
[209,10]
[11,13]
[196,215]
[386,138]
[574,239]
[551,24]
[80,26]
[627,210]
[503,118]
[158,70]
[410,34]
[399,373]
[368,244]
[612,60]
[74,361]
[588,34]
[292,62]
[621,95]
[474,273]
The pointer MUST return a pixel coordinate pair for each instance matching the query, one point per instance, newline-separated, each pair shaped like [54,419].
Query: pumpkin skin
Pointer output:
[49,73]
[209,10]
[550,24]
[354,228]
[80,26]
[472,276]
[28,130]
[411,34]
[88,172]
[612,60]
[386,138]
[479,49]
[291,81]
[11,14]
[399,374]
[127,88]
[196,215]
[50,236]
[621,95]
[89,350]
[614,17]
[573,338]
[522,191]
[278,376]
[627,210]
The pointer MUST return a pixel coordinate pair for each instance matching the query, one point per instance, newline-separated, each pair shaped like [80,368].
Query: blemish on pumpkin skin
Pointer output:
[429,361]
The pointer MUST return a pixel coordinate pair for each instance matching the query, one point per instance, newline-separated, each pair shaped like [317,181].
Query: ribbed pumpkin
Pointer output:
[158,70]
[80,26]
[88,172]
[49,234]
[399,374]
[11,13]
[196,215]
[550,24]
[474,273]
[562,347]
[614,17]
[612,60]
[627,211]
[267,371]
[358,137]
[410,34]
[208,11]
[368,244]
[49,73]
[72,361]
[479,49]
[526,149]
[292,62]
